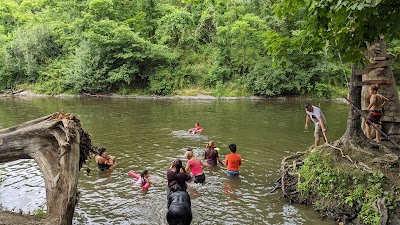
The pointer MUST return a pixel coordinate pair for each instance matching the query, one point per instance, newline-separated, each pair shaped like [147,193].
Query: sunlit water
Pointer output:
[149,134]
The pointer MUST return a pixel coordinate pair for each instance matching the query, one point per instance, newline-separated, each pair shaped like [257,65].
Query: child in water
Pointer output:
[197,129]
[144,178]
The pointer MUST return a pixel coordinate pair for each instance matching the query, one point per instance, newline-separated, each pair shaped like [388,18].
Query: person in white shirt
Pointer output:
[315,114]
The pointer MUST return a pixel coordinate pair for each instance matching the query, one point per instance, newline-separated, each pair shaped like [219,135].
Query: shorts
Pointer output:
[318,131]
[232,173]
[375,117]
[200,178]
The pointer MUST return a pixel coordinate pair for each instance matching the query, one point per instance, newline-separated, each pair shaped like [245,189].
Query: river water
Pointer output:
[149,134]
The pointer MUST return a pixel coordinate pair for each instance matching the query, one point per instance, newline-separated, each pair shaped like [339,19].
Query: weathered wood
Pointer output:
[369,82]
[53,142]
[381,58]
[359,72]
[378,64]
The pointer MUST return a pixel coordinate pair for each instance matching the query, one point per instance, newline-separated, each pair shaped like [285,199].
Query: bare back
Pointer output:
[377,102]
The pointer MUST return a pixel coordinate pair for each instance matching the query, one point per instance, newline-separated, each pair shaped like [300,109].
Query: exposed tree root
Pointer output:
[289,175]
[380,207]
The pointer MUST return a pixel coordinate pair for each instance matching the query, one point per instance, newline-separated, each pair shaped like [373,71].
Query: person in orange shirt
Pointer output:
[233,161]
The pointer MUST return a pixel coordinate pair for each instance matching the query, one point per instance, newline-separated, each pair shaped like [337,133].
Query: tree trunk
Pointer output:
[377,72]
[354,132]
[53,142]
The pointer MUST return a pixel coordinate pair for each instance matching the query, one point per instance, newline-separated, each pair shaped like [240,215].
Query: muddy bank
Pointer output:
[10,218]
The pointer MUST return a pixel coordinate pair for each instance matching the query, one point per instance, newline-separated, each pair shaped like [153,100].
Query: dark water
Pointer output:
[149,134]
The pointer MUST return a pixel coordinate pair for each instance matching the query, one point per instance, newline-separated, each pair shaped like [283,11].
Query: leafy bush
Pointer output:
[33,47]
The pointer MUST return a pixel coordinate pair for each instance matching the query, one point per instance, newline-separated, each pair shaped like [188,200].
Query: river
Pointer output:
[149,134]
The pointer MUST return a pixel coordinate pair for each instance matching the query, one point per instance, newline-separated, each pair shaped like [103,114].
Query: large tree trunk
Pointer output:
[354,133]
[54,143]
[377,72]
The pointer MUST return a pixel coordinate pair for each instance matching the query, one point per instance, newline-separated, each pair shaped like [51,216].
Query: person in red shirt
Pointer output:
[233,161]
[197,129]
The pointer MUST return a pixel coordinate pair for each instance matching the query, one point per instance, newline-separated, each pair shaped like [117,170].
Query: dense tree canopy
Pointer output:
[224,47]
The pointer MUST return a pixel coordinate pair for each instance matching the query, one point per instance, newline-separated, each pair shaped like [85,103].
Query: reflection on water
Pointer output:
[150,134]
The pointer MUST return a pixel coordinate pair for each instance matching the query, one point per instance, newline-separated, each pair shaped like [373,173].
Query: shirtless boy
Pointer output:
[376,104]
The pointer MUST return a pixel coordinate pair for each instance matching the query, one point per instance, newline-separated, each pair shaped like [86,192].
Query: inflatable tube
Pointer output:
[137,176]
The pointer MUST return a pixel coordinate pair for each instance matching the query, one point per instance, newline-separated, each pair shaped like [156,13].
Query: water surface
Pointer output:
[149,134]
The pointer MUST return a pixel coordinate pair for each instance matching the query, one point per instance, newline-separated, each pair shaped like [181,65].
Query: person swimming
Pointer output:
[197,129]
[144,178]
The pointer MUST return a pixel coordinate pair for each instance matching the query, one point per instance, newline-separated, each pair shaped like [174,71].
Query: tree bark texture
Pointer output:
[54,143]
[379,72]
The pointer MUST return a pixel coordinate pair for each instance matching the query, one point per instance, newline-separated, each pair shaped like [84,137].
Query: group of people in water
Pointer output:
[178,175]
[376,106]
[179,205]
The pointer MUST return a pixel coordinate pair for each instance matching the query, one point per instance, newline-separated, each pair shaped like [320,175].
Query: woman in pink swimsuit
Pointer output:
[195,165]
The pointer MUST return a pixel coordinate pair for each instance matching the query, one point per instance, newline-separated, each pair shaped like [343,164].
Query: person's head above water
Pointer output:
[210,144]
[174,186]
[232,148]
[177,164]
[144,173]
[101,150]
[188,154]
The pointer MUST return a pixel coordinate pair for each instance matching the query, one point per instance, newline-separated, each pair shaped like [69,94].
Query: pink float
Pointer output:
[137,176]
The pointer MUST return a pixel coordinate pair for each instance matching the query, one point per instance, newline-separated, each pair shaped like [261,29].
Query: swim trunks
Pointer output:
[374,116]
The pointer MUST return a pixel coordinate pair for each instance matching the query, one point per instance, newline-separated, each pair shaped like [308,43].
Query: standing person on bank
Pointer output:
[375,107]
[316,115]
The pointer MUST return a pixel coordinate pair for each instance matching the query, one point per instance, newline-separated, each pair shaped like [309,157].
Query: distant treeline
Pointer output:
[159,47]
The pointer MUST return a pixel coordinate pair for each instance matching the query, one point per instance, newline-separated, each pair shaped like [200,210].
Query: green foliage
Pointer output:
[41,211]
[257,47]
[344,25]
[176,29]
[33,48]
[335,183]
[7,16]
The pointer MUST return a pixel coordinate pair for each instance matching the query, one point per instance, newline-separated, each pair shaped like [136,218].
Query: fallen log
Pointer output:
[54,142]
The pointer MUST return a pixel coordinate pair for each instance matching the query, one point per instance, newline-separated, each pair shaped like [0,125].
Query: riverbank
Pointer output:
[198,97]
[350,186]
[8,218]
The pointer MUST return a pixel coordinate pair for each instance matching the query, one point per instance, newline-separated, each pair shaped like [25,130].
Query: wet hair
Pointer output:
[101,150]
[142,174]
[210,144]
[232,147]
[189,154]
[307,104]
[177,163]
[174,186]
[374,87]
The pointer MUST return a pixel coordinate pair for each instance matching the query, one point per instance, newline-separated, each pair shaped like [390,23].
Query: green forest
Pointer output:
[183,47]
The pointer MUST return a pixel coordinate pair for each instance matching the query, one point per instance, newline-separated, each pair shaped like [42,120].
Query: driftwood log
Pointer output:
[60,147]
